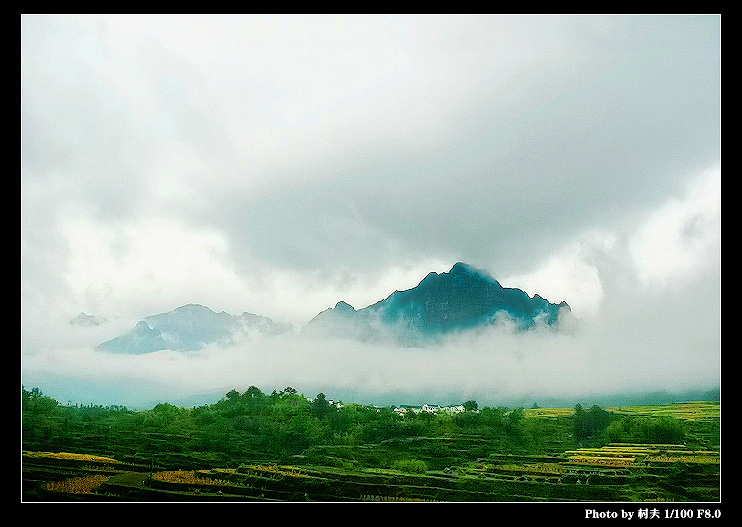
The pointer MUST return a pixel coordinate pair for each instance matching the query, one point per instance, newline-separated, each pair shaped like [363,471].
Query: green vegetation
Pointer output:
[287,444]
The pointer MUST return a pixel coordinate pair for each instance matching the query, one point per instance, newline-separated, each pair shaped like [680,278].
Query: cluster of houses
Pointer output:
[431,409]
[405,409]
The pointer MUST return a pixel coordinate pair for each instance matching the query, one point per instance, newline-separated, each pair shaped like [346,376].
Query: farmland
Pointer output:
[285,447]
[616,473]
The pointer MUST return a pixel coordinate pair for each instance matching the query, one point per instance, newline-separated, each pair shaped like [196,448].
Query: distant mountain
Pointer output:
[83,319]
[189,328]
[461,299]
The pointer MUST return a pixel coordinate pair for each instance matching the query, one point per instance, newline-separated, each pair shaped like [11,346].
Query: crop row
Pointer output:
[540,468]
[689,411]
[82,485]
[392,498]
[684,459]
[68,455]
[644,453]
[602,460]
[271,470]
[186,477]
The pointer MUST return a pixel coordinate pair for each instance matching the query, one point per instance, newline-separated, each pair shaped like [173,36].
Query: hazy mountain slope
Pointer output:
[189,328]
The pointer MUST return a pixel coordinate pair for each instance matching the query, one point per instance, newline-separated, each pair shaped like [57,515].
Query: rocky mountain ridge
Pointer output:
[441,304]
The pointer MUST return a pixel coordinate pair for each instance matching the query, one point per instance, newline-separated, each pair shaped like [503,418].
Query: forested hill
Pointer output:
[279,426]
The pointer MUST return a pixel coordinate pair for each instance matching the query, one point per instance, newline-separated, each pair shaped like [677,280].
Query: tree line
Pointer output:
[284,424]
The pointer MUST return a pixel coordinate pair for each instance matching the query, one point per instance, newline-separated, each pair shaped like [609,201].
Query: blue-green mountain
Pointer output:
[190,328]
[441,304]
[462,299]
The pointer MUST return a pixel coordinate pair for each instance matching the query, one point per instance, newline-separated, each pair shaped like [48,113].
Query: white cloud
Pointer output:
[155,264]
[494,366]
[675,243]
[683,237]
[297,297]
[122,269]
[572,274]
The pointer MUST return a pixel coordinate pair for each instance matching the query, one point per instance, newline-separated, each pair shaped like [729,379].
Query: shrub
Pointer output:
[415,466]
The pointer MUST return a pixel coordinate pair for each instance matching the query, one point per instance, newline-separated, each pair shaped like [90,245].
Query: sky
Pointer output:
[279,164]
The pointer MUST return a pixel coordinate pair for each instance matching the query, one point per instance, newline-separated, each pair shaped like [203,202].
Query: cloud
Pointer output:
[155,265]
[134,263]
[460,137]
[630,336]
[683,237]
[571,275]
[495,366]
[672,244]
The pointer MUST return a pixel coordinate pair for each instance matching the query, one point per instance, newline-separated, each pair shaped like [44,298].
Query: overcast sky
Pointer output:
[278,164]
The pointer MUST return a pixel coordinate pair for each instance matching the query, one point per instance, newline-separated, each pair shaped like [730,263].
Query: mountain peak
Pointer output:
[83,319]
[189,328]
[441,303]
[461,267]
[193,308]
[344,306]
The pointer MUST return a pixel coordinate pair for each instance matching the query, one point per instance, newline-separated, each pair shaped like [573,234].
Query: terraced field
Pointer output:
[530,456]
[689,411]
[618,472]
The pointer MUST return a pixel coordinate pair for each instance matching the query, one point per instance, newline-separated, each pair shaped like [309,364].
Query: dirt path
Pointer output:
[136,482]
[129,479]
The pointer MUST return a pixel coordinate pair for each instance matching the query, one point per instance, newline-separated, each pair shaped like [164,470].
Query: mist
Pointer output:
[622,353]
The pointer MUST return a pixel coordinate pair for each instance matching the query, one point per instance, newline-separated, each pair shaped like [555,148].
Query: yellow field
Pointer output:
[626,454]
[549,412]
[68,455]
[603,461]
[187,477]
[689,411]
[539,468]
[84,485]
[278,470]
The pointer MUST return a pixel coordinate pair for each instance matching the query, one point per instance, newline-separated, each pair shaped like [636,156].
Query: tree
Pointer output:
[665,429]
[256,399]
[515,421]
[590,423]
[598,419]
[320,406]
[253,391]
[492,417]
[37,402]
[668,429]
[467,419]
[470,406]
